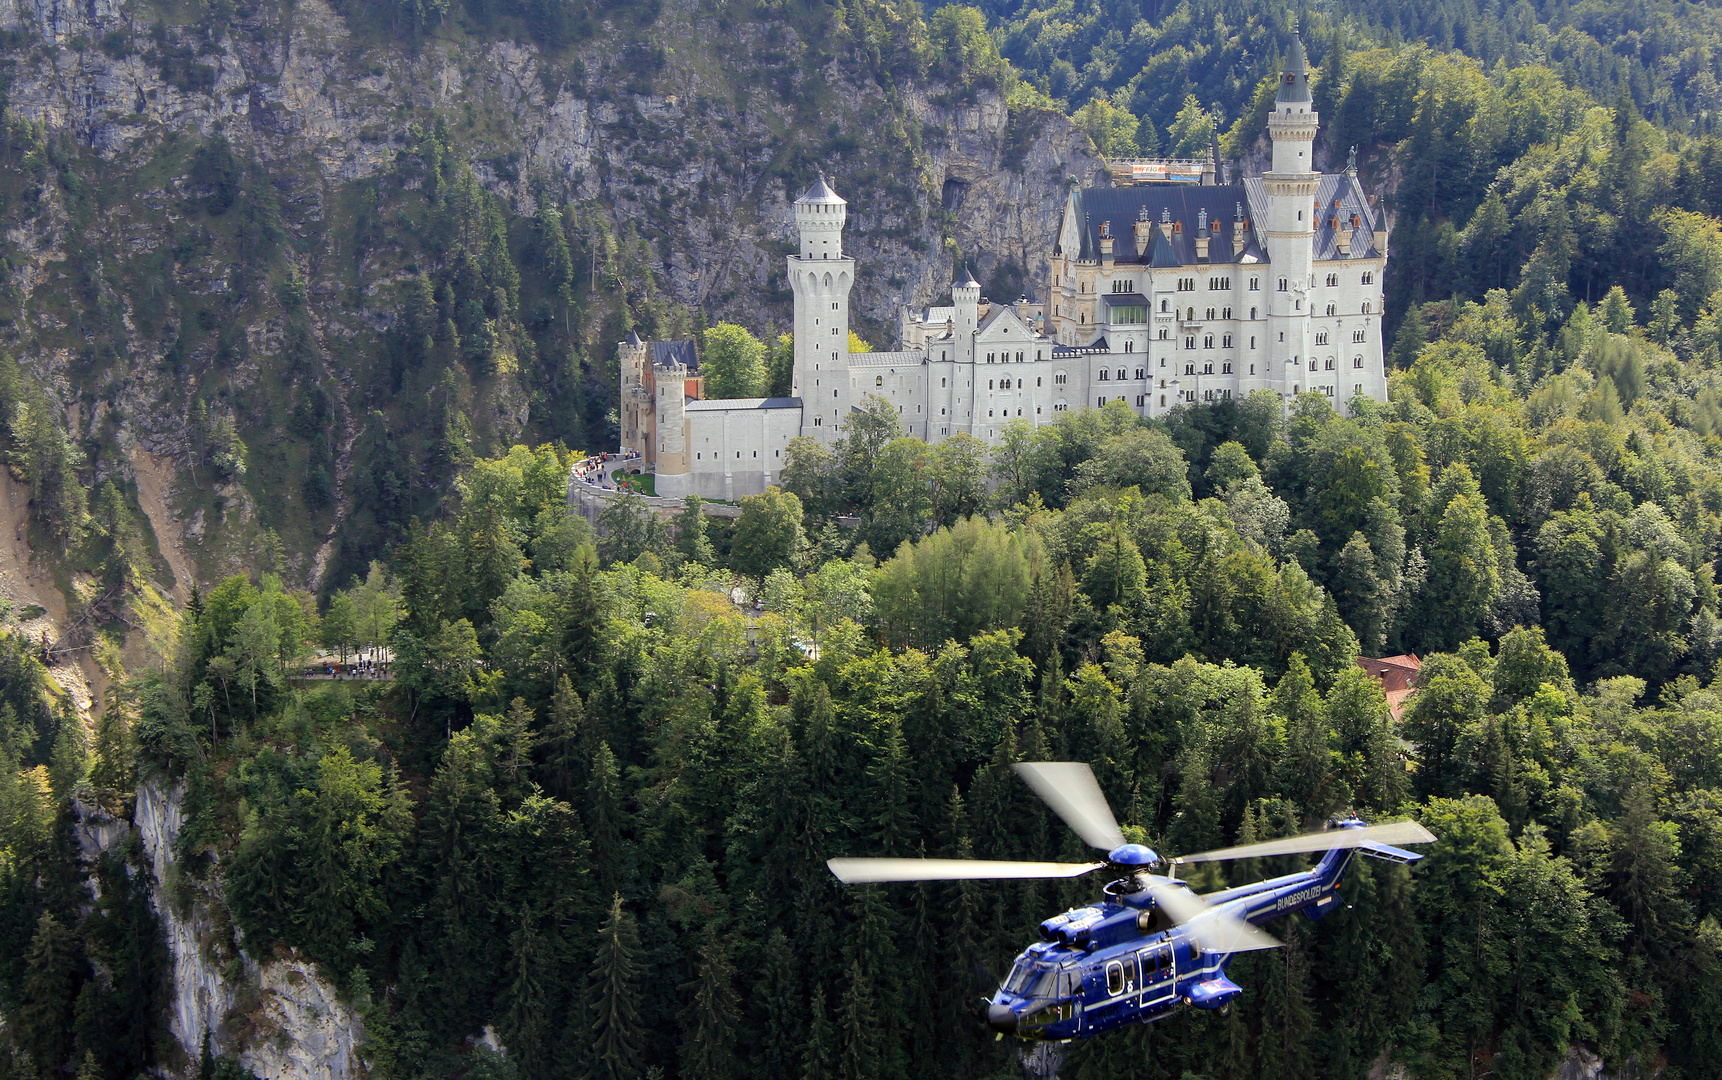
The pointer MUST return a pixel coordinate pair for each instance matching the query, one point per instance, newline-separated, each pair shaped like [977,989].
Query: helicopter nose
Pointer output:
[1001,1019]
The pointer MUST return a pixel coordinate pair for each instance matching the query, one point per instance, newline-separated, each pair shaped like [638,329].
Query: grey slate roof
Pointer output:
[967,282]
[1353,204]
[665,353]
[721,404]
[1124,299]
[1294,80]
[821,192]
[634,338]
[1184,203]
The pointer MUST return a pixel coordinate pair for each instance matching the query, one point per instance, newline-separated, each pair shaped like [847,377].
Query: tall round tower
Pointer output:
[1290,234]
[821,277]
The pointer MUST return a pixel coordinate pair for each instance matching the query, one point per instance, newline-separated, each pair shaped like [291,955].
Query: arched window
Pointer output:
[878,380]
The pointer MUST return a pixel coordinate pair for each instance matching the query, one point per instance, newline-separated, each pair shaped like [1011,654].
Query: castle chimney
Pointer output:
[1240,231]
[1141,233]
[1166,223]
[1106,244]
[1202,235]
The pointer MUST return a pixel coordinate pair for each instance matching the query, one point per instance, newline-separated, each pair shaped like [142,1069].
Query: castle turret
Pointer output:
[636,413]
[966,298]
[821,277]
[1290,233]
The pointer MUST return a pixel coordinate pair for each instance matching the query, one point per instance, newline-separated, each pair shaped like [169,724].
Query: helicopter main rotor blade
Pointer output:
[869,871]
[1394,833]
[1070,789]
[1214,928]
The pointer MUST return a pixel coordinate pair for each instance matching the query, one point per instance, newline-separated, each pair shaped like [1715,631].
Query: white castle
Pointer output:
[1158,296]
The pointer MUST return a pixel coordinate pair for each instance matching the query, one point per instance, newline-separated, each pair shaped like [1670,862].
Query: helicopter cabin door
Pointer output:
[1159,975]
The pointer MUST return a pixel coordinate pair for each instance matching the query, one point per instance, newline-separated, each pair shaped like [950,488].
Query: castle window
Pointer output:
[1331,309]
[1058,378]
[1162,303]
[1333,281]
[1252,369]
[1210,313]
[1255,284]
[1252,341]
[1208,341]
[1321,337]
[1190,341]
[1225,369]
[989,384]
[1357,335]
[1162,333]
[1102,374]
[1129,346]
[1189,369]
[878,380]
[1100,401]
[1369,277]
[1037,380]
[1162,399]
[1252,313]
[1190,315]
[1312,364]
[1141,373]
[1357,388]
[1283,284]
[1226,342]
[1141,400]
[1366,307]
[1208,369]
[1225,313]
[817,422]
[1329,363]
[1357,361]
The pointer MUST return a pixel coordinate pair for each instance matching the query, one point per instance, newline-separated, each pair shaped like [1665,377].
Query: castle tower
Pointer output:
[671,452]
[1290,233]
[637,414]
[821,277]
[966,298]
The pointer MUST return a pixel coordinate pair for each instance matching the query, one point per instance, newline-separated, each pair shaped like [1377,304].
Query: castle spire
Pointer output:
[1294,80]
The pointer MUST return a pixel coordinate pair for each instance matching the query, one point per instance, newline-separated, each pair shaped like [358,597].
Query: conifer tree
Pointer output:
[605,819]
[893,821]
[1287,1019]
[526,1027]
[708,1050]
[819,1054]
[54,969]
[859,1032]
[565,759]
[780,990]
[608,1041]
[1305,759]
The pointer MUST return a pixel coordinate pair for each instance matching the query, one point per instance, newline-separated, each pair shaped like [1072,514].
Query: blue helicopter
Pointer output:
[1151,945]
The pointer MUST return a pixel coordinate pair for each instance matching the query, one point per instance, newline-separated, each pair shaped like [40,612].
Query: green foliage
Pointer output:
[733,362]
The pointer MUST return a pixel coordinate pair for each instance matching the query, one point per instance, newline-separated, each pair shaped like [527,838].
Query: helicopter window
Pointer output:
[1027,980]
[1114,978]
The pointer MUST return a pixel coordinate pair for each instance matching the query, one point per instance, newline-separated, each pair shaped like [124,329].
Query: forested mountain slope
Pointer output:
[282,280]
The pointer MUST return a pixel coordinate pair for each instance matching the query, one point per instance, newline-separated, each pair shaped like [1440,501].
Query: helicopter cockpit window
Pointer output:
[1032,981]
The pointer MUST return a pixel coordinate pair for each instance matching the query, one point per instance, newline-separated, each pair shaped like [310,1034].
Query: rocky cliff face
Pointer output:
[298,87]
[276,1014]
